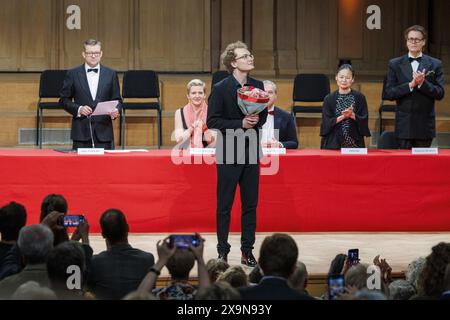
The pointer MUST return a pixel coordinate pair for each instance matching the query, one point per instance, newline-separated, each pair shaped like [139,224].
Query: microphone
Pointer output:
[90,129]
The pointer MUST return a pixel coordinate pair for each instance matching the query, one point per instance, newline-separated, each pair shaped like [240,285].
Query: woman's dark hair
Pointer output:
[431,279]
[337,264]
[346,66]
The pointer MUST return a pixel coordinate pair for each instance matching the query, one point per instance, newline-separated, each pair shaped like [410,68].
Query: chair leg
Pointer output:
[159,130]
[37,126]
[122,130]
[380,127]
[40,128]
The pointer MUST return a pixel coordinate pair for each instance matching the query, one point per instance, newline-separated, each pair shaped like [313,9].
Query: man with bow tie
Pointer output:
[279,129]
[84,87]
[415,81]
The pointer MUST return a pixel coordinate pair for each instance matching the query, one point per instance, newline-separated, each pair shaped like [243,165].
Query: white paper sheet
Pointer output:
[105,108]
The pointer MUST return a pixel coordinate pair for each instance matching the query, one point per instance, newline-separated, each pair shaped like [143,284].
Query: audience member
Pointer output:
[65,255]
[32,290]
[446,294]
[401,290]
[299,278]
[120,269]
[179,262]
[13,217]
[35,243]
[255,276]
[235,276]
[277,258]
[414,270]
[215,268]
[219,290]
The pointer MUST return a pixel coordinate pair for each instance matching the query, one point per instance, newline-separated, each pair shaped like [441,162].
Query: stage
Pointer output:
[302,191]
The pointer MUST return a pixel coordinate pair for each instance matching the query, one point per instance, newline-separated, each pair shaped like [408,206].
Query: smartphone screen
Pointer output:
[353,256]
[336,286]
[72,220]
[182,241]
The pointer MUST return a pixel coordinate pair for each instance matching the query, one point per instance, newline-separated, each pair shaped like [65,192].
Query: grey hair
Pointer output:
[401,290]
[366,294]
[272,84]
[35,243]
[414,270]
[195,82]
[299,276]
[32,290]
[357,276]
[92,42]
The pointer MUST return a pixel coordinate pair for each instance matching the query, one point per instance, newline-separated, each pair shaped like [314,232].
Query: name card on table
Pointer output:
[274,151]
[424,151]
[353,150]
[90,151]
[201,151]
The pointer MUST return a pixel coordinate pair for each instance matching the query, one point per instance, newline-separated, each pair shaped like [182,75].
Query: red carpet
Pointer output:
[313,190]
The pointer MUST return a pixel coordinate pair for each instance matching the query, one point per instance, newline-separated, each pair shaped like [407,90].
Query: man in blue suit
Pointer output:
[415,81]
[84,87]
[279,130]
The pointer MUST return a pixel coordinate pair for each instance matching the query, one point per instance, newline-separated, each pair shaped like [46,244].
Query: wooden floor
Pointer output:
[316,249]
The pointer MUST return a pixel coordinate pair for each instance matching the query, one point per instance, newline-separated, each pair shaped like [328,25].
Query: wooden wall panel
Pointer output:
[350,29]
[316,36]
[232,25]
[286,37]
[37,41]
[173,35]
[263,42]
[9,35]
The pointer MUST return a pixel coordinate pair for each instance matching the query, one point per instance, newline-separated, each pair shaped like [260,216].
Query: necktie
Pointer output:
[94,70]
[271,113]
[418,59]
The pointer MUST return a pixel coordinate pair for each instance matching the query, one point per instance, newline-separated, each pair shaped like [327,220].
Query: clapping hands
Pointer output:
[349,113]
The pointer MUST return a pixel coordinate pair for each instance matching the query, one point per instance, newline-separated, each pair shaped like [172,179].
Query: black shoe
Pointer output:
[248,259]
[223,256]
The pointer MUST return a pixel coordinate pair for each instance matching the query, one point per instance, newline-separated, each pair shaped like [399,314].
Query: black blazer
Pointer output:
[331,131]
[224,113]
[415,115]
[284,122]
[272,289]
[116,272]
[76,93]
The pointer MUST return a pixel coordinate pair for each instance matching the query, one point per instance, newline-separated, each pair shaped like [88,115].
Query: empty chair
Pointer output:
[387,140]
[50,85]
[218,76]
[384,107]
[141,84]
[309,88]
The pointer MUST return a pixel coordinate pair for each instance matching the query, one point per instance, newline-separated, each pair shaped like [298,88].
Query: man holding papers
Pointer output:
[84,88]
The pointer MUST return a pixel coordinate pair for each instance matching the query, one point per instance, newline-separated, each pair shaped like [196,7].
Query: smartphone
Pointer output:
[182,241]
[70,220]
[336,286]
[353,256]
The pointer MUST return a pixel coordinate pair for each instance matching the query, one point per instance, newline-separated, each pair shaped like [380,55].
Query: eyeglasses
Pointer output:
[245,56]
[414,40]
[93,54]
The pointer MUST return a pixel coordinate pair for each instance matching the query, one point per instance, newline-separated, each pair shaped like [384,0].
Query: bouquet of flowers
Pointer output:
[252,100]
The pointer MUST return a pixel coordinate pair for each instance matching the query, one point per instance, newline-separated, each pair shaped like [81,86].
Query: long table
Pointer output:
[302,191]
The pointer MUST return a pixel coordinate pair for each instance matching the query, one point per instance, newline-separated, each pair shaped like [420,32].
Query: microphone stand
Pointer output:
[90,129]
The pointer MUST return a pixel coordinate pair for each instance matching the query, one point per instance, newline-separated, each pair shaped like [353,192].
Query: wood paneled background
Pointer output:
[286,36]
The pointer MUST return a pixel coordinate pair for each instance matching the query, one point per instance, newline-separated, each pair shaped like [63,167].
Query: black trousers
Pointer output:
[414,143]
[228,177]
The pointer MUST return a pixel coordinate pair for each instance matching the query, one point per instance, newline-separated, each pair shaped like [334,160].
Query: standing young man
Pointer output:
[415,80]
[237,150]
[84,87]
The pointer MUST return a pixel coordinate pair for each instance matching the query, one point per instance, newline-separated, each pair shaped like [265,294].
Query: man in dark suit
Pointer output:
[237,150]
[84,87]
[120,269]
[277,260]
[415,80]
[279,130]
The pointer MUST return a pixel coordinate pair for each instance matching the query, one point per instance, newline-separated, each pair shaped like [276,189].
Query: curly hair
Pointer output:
[431,280]
[228,55]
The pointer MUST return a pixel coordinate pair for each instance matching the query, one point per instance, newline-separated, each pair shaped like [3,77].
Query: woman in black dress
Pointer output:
[344,114]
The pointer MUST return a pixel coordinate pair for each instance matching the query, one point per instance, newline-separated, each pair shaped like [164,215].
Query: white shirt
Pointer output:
[268,128]
[92,78]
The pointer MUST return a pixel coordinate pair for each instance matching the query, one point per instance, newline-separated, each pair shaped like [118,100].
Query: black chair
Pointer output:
[142,84]
[387,140]
[218,76]
[384,107]
[309,88]
[50,85]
